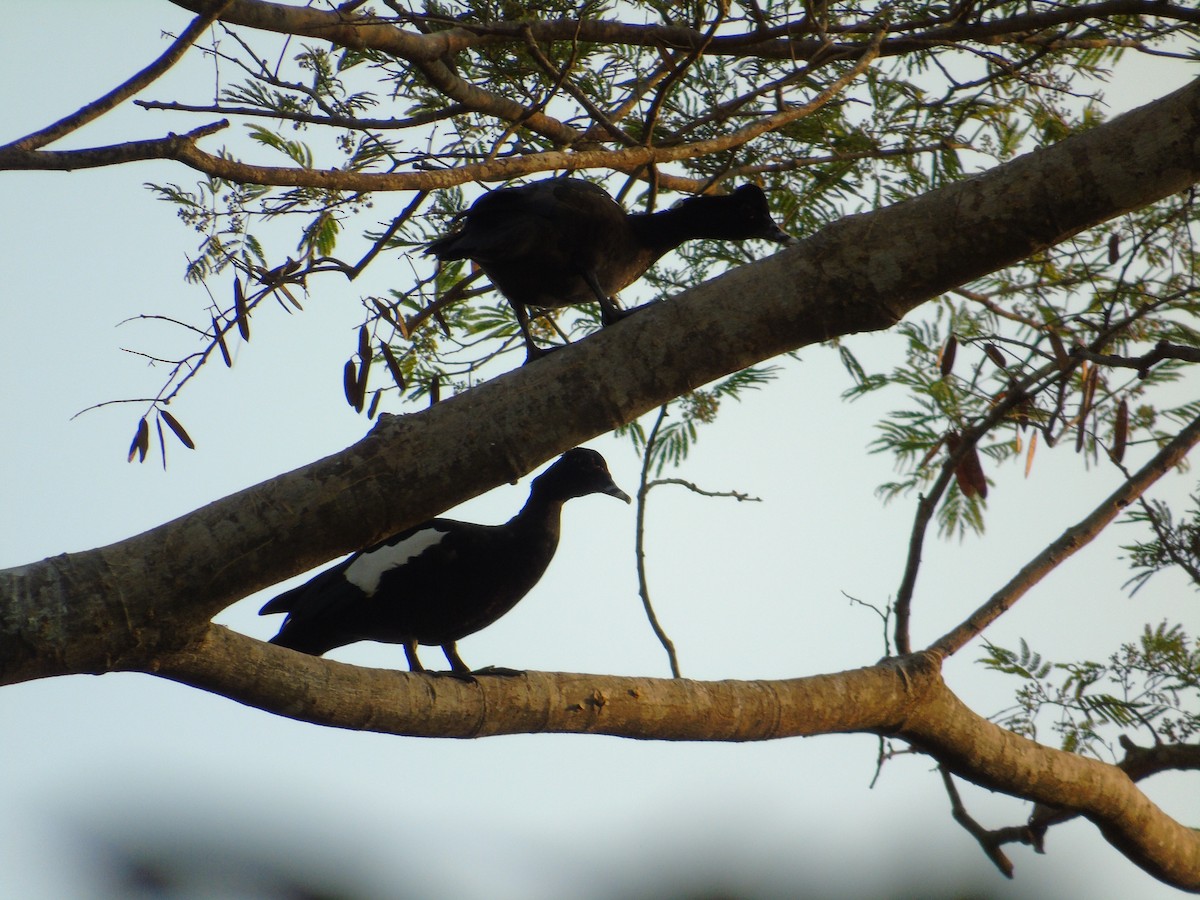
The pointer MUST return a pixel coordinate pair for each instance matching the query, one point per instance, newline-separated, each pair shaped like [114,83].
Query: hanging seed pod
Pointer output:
[349,381]
[220,339]
[969,471]
[1060,352]
[364,343]
[393,365]
[141,441]
[173,424]
[241,310]
[1120,432]
[996,355]
[946,355]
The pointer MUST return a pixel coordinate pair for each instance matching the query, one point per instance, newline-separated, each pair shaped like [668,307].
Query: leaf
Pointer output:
[946,355]
[931,453]
[1120,432]
[141,441]
[393,365]
[242,313]
[220,338]
[180,432]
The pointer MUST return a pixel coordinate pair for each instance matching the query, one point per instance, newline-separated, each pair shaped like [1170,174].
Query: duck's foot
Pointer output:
[533,352]
[612,315]
[500,671]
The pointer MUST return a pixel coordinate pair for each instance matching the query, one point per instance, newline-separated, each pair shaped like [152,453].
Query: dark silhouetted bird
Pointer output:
[442,580]
[564,241]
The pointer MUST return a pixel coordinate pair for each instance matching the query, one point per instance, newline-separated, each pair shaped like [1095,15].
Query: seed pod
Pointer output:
[393,365]
[220,338]
[946,356]
[995,355]
[240,309]
[1120,432]
[1060,352]
[141,441]
[969,471]
[173,424]
[364,343]
[349,381]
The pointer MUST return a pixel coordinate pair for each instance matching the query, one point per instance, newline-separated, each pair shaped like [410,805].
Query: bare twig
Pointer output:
[989,841]
[119,94]
[640,544]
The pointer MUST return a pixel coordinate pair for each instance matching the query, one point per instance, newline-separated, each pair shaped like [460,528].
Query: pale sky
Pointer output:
[745,590]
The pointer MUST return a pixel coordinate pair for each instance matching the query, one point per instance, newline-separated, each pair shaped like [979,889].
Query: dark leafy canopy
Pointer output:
[832,108]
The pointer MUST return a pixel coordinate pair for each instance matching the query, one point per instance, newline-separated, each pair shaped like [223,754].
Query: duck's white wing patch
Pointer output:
[364,573]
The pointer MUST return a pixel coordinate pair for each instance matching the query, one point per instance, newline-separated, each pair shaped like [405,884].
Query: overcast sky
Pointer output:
[94,770]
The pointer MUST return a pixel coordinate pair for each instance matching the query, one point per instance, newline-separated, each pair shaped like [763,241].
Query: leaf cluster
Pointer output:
[1151,684]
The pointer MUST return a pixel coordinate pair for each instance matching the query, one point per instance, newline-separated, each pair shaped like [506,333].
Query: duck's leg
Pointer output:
[457,666]
[410,650]
[609,311]
[532,350]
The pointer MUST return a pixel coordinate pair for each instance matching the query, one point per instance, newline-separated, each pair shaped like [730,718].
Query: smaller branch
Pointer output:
[333,121]
[1169,544]
[562,79]
[640,545]
[988,840]
[736,495]
[1071,540]
[173,146]
[1162,350]
[1139,763]
[119,94]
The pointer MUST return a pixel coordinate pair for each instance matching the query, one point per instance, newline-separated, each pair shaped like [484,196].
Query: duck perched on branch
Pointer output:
[564,241]
[442,580]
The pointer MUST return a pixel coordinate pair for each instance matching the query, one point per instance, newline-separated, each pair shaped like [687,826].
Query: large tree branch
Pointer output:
[792,41]
[627,159]
[904,697]
[117,606]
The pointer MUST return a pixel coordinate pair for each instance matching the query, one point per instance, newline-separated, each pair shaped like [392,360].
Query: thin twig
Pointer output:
[989,841]
[640,544]
[119,94]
